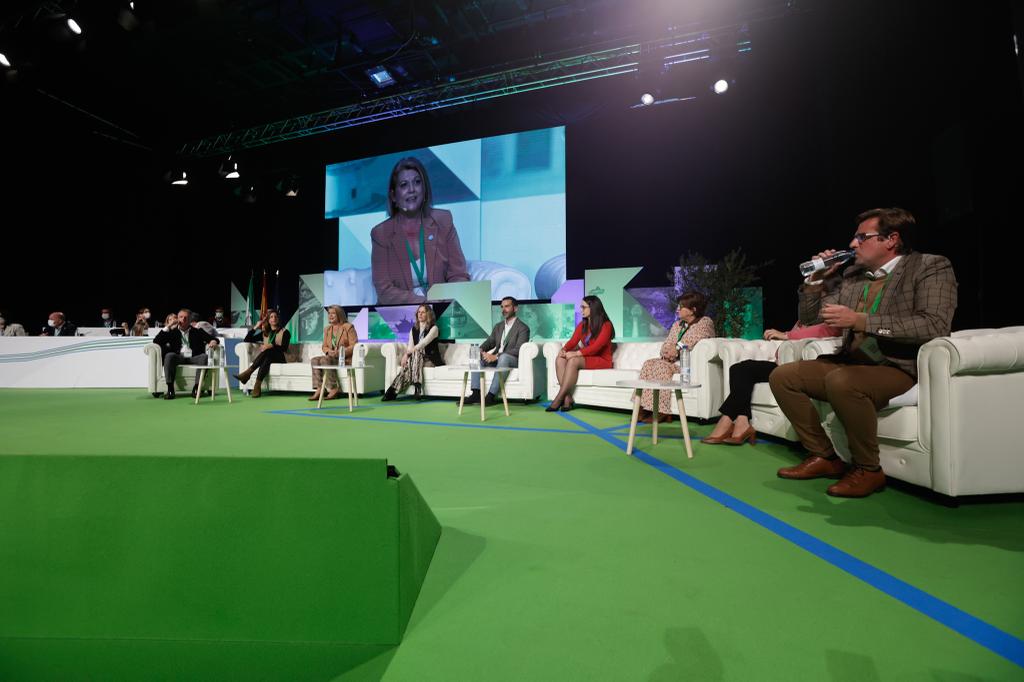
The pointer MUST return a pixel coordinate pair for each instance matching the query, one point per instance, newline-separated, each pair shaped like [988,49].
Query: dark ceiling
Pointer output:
[160,73]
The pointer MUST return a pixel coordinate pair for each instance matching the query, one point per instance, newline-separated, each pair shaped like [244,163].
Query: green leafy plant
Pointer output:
[725,283]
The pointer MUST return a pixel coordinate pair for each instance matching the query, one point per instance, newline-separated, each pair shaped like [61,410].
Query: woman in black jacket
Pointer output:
[274,344]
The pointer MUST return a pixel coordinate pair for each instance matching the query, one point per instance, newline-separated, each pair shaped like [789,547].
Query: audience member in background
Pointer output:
[204,325]
[13,329]
[505,340]
[691,327]
[417,245]
[274,341]
[182,345]
[340,339]
[56,325]
[220,319]
[589,348]
[422,350]
[142,323]
[734,427]
[107,319]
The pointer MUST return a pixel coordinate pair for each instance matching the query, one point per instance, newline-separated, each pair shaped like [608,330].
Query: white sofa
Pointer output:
[955,431]
[598,387]
[522,383]
[297,373]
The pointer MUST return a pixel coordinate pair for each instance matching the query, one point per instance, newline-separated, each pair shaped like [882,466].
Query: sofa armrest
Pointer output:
[550,351]
[392,353]
[154,365]
[531,368]
[969,395]
[815,347]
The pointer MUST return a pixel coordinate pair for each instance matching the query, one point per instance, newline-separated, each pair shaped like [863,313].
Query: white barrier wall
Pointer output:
[73,362]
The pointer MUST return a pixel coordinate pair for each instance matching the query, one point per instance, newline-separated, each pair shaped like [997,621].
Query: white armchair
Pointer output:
[598,387]
[955,431]
[183,380]
[522,383]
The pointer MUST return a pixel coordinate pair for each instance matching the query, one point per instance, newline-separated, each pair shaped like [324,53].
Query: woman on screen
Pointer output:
[421,351]
[340,339]
[417,245]
[691,326]
[589,348]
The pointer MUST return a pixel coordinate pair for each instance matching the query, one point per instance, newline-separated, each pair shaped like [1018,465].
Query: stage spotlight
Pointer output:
[180,179]
[4,61]
[380,76]
[75,28]
[721,86]
[647,99]
[229,169]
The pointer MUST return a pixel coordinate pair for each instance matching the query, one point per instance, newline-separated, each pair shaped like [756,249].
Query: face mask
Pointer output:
[219,316]
[145,315]
[51,323]
[105,316]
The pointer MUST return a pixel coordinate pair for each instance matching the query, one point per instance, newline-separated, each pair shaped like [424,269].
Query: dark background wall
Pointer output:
[846,107]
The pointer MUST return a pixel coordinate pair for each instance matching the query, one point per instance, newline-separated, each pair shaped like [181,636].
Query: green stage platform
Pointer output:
[560,558]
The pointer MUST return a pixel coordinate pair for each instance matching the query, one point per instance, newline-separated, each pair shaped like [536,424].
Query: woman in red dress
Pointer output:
[589,348]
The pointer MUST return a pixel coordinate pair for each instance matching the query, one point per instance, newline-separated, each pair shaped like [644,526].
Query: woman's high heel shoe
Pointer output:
[553,407]
[748,436]
[715,440]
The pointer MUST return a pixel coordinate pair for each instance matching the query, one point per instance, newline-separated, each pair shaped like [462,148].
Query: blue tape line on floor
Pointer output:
[992,638]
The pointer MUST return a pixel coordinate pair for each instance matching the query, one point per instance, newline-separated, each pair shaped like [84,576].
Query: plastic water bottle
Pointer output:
[474,356]
[817,264]
[684,364]
[360,356]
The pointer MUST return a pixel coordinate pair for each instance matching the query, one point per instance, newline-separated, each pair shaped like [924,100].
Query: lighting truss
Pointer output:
[605,63]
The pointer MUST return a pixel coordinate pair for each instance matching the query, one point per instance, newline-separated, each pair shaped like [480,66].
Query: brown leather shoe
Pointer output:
[646,416]
[715,440]
[814,467]
[748,436]
[858,482]
[315,396]
[256,392]
[334,394]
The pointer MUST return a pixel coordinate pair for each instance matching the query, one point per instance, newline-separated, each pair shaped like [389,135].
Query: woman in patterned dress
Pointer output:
[690,327]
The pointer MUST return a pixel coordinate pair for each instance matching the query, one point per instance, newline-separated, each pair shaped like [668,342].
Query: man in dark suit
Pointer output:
[107,320]
[182,344]
[56,325]
[506,339]
[890,302]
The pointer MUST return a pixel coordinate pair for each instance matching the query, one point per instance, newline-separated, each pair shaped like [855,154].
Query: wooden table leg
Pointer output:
[214,376]
[351,388]
[199,386]
[501,385]
[632,422]
[227,383]
[684,425]
[462,394]
[654,411]
[323,388]
[483,403]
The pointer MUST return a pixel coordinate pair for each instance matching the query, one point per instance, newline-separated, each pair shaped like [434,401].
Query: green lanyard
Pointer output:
[420,269]
[682,330]
[184,337]
[878,298]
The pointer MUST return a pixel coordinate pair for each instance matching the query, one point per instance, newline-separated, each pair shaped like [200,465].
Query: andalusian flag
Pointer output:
[248,304]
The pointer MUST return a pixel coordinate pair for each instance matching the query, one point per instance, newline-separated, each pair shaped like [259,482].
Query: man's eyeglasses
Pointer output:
[862,237]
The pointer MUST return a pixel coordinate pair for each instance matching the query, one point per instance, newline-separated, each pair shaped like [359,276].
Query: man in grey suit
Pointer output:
[505,340]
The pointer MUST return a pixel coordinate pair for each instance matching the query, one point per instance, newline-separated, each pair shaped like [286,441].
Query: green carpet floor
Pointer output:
[563,559]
